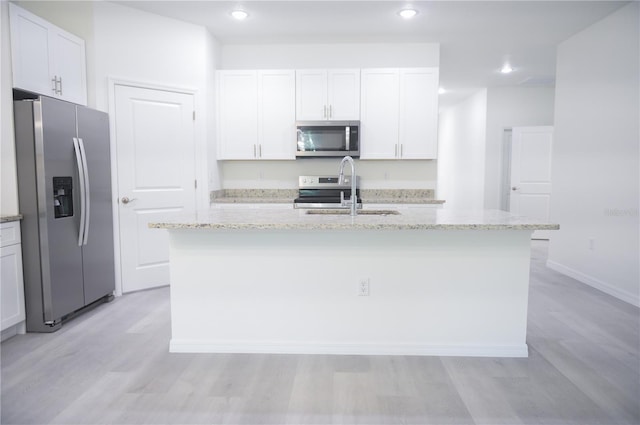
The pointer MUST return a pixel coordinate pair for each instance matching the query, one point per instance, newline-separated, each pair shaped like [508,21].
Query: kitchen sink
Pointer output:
[346,212]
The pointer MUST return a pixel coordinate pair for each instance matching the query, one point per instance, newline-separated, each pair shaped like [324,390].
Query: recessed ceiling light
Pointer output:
[441,90]
[506,69]
[239,14]
[408,13]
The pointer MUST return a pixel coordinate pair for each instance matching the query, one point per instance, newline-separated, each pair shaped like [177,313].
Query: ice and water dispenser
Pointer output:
[63,197]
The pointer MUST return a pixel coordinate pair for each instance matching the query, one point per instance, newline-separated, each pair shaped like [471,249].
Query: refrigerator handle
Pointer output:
[79,163]
[87,191]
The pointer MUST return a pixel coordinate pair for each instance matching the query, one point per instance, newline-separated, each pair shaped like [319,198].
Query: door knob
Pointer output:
[126,200]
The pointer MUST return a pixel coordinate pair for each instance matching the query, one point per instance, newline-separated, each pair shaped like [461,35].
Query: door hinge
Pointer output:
[194,115]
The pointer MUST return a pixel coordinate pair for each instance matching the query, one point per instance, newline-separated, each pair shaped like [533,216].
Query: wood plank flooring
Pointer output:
[112,366]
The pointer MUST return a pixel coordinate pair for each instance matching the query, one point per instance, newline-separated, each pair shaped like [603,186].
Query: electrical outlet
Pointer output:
[363,287]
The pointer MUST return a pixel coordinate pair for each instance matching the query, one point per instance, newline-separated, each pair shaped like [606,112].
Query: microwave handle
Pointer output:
[347,135]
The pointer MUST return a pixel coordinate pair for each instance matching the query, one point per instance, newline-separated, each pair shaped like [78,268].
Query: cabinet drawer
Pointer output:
[9,233]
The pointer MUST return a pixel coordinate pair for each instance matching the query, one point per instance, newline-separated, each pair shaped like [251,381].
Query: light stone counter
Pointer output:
[253,196]
[408,219]
[429,281]
[286,196]
[9,218]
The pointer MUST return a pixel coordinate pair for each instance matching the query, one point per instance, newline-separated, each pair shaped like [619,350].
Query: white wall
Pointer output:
[510,107]
[151,49]
[8,179]
[129,44]
[345,55]
[461,152]
[595,159]
[212,61]
[284,174]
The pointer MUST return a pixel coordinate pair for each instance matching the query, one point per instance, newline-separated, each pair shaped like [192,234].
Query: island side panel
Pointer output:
[434,292]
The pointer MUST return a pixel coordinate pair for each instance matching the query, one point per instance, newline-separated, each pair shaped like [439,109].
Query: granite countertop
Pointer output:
[409,219]
[253,196]
[8,218]
[286,196]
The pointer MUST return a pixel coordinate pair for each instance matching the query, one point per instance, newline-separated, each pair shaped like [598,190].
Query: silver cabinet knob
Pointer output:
[514,188]
[126,200]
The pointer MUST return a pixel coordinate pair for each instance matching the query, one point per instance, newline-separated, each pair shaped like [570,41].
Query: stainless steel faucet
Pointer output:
[353,201]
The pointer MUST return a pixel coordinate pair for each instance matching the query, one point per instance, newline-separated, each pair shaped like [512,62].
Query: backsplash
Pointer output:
[287,195]
[378,174]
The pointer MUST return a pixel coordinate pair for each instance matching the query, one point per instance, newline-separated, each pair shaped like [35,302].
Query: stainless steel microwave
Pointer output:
[328,138]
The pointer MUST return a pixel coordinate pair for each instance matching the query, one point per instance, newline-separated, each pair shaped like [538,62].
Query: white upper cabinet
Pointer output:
[332,94]
[277,114]
[47,59]
[237,114]
[399,117]
[256,114]
[379,115]
[418,131]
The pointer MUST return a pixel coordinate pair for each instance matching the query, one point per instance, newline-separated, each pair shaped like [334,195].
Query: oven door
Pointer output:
[327,139]
[323,198]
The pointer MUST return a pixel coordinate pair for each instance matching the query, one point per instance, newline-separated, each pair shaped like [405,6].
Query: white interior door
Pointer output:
[531,150]
[156,175]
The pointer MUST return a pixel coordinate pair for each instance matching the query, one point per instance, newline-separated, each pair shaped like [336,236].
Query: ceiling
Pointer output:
[476,37]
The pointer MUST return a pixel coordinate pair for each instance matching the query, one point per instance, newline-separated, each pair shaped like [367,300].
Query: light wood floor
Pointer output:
[112,366]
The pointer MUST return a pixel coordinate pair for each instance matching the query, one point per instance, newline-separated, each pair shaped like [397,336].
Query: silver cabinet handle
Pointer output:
[254,151]
[126,200]
[395,152]
[260,151]
[401,150]
[57,84]
[330,111]
[324,111]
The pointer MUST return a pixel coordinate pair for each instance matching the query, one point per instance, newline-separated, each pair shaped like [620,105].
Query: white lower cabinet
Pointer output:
[11,286]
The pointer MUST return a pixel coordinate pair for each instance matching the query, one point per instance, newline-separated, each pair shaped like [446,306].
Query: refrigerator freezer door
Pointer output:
[98,253]
[62,284]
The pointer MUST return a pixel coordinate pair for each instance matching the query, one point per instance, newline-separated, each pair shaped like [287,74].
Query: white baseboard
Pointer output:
[206,346]
[625,296]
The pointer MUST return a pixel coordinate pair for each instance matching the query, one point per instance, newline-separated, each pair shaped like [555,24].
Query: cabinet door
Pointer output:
[418,132]
[11,286]
[69,66]
[30,52]
[311,94]
[276,114]
[343,94]
[237,114]
[379,114]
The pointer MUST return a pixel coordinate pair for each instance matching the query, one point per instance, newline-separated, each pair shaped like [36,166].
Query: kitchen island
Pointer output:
[429,281]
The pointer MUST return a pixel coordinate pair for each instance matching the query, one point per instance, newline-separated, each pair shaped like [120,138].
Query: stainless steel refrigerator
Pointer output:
[64,189]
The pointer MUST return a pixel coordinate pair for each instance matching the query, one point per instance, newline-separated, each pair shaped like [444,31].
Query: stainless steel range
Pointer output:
[324,192]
